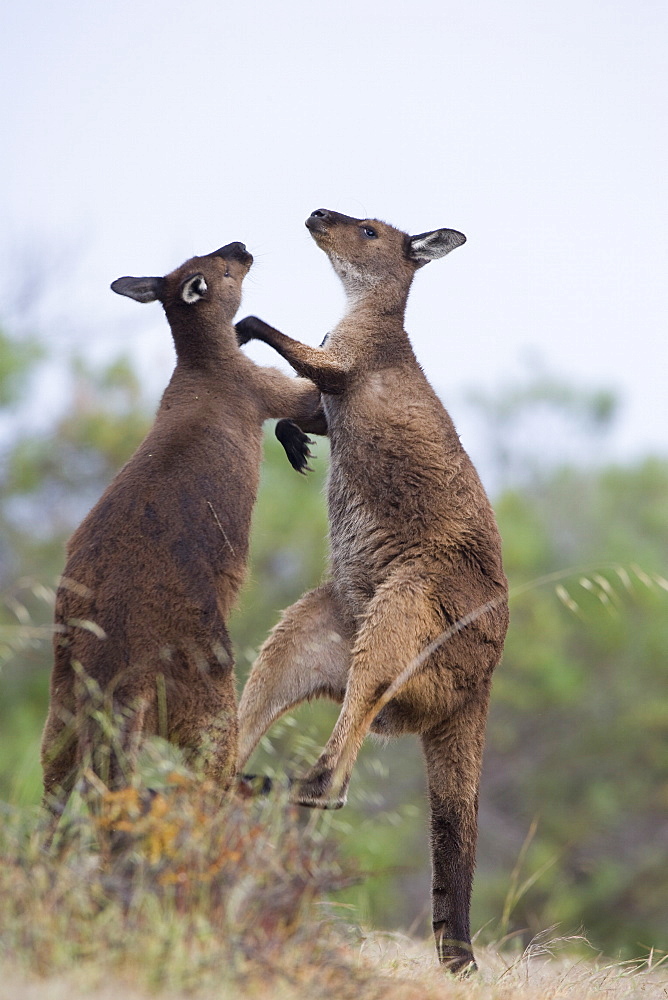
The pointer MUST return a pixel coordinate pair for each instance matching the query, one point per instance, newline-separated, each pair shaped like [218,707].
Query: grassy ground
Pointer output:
[171,893]
[394,970]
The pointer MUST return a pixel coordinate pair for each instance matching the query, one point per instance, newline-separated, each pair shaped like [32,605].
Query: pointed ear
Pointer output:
[193,288]
[139,289]
[430,246]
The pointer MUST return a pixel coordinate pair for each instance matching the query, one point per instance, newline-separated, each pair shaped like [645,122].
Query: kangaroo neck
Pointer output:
[373,327]
[208,344]
[383,300]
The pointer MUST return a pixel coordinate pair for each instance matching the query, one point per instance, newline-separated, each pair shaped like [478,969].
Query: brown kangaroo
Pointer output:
[408,630]
[154,569]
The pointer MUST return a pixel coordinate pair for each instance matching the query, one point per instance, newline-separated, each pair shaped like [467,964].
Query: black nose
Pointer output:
[319,221]
[233,251]
[325,216]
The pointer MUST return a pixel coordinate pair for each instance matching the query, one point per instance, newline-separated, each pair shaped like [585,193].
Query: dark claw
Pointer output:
[250,328]
[250,786]
[296,444]
[244,331]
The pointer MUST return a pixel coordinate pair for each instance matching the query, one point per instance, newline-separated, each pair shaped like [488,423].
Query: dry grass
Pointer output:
[170,892]
[168,886]
[385,968]
[549,968]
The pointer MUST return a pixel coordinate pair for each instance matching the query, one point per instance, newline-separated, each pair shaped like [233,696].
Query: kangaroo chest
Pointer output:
[385,484]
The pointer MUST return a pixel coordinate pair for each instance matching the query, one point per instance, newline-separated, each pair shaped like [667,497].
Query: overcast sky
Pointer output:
[136,134]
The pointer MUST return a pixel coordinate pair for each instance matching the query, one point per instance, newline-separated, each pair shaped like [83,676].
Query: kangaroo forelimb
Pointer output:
[314,363]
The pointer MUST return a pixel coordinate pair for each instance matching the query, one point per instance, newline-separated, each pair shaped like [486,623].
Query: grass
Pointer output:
[167,886]
[168,891]
[382,967]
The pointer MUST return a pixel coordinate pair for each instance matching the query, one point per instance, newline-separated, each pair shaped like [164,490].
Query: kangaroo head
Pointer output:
[203,288]
[366,252]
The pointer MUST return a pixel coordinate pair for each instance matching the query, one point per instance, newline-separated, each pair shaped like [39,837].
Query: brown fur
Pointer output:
[155,567]
[414,550]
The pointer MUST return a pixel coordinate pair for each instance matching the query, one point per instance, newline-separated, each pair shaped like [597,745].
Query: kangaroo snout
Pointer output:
[234,251]
[322,220]
[317,221]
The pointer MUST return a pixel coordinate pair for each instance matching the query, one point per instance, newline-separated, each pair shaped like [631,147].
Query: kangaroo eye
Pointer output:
[369,232]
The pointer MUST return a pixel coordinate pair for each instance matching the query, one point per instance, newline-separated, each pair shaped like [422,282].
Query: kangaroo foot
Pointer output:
[311,792]
[460,967]
[252,786]
[455,956]
[316,793]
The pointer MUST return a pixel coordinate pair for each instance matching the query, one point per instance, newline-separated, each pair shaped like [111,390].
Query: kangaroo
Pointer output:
[408,629]
[154,569]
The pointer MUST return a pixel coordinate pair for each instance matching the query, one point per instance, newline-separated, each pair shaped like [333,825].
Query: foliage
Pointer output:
[577,734]
[171,886]
[17,359]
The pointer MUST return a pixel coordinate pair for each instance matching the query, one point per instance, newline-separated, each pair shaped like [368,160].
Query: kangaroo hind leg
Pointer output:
[59,759]
[111,733]
[306,656]
[398,625]
[453,755]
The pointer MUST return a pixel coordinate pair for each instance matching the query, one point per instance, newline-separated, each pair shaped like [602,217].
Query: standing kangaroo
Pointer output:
[154,569]
[415,565]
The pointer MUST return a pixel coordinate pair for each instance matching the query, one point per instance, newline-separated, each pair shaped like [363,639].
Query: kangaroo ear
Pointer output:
[193,288]
[430,246]
[139,289]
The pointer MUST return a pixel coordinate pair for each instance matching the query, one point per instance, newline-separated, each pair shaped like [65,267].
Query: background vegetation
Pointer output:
[574,806]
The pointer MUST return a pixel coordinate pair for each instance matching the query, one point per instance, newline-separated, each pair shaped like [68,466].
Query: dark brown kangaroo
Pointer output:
[154,569]
[415,565]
